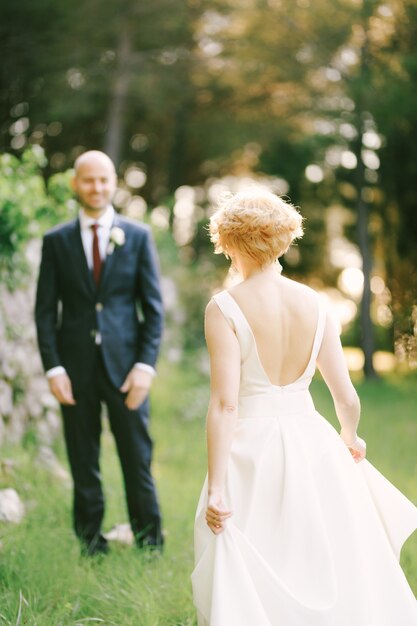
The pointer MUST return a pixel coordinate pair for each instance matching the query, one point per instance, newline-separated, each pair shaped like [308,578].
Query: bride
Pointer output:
[294,526]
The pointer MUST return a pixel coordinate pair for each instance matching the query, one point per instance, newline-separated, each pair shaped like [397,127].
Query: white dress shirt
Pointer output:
[105,223]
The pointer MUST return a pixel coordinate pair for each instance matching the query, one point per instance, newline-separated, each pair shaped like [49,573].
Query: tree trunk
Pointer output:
[176,173]
[118,98]
[367,330]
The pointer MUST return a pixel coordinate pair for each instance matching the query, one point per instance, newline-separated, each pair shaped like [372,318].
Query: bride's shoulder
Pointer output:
[221,305]
[218,316]
[217,297]
[299,288]
[214,304]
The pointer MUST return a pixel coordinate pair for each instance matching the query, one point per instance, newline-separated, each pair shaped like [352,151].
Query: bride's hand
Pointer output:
[217,514]
[357,448]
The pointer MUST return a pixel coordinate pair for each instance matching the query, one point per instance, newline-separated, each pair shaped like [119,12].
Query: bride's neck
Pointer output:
[250,269]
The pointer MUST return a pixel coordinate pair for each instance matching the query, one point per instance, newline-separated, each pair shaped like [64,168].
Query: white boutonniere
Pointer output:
[116,239]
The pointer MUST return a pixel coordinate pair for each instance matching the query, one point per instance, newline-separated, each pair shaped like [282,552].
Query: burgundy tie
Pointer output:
[96,255]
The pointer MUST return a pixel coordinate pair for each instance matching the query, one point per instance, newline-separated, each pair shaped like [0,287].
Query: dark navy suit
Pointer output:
[126,310]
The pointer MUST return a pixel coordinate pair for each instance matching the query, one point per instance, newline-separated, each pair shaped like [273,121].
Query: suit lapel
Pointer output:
[79,258]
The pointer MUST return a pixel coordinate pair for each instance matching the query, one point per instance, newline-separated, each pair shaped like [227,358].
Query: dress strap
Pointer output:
[223,301]
[321,324]
[234,316]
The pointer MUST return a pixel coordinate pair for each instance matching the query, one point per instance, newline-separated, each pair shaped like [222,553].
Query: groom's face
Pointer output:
[94,184]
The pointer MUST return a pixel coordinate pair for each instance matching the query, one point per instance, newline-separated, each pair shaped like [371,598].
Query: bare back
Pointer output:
[283,316]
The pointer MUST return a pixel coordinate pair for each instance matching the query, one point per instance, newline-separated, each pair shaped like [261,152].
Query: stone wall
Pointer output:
[25,400]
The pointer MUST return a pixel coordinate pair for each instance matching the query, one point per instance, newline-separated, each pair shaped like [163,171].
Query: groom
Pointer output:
[99,321]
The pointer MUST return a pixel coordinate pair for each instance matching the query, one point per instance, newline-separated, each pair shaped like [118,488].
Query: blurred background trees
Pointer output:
[315,98]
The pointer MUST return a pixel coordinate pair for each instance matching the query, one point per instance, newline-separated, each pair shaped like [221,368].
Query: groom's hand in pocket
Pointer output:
[61,387]
[137,386]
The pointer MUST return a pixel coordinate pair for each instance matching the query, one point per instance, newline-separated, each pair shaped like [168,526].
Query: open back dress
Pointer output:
[315,538]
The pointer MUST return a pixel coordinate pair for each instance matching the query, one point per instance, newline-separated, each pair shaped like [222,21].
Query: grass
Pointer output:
[45,582]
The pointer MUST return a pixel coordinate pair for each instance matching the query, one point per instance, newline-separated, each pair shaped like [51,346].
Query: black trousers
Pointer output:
[82,430]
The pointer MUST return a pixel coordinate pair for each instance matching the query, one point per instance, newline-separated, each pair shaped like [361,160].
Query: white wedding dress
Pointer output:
[315,538]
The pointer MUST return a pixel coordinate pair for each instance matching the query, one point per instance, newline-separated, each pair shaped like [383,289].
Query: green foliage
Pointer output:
[22,201]
[27,208]
[62,206]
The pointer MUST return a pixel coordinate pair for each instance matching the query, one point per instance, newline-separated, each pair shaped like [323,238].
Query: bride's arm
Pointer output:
[224,352]
[332,365]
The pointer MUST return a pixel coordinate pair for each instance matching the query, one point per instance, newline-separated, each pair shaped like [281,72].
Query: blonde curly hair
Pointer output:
[255,222]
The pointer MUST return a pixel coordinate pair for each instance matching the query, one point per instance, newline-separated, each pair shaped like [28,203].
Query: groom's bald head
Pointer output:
[94,157]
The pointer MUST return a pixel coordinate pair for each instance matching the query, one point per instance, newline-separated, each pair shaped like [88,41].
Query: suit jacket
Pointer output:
[126,309]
